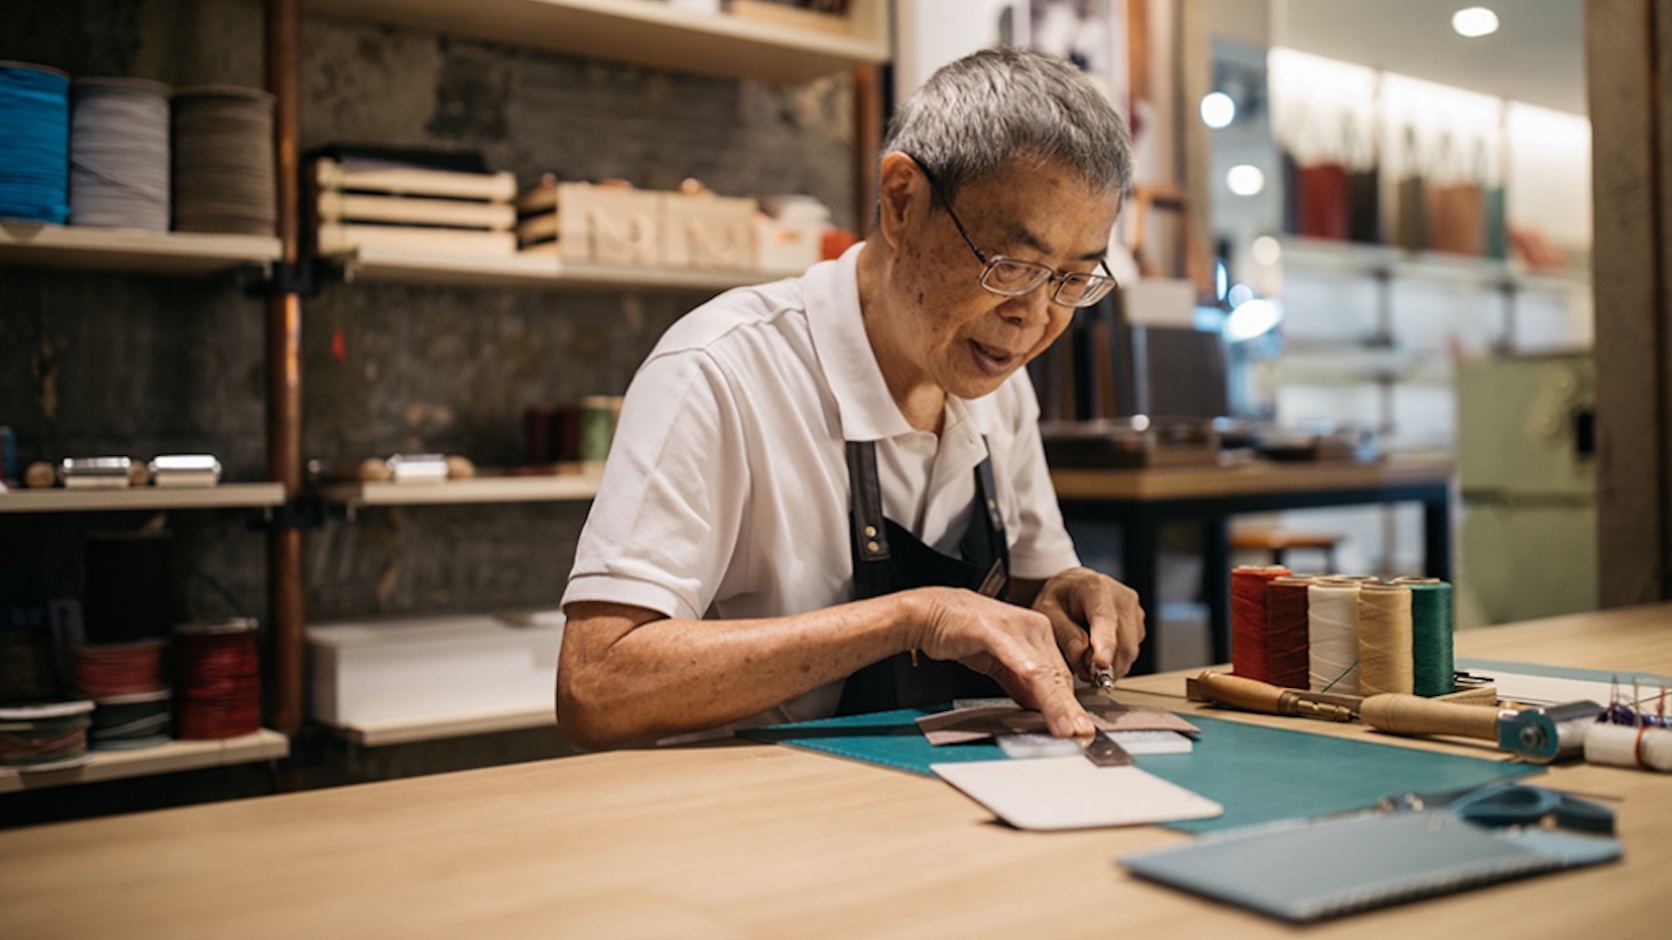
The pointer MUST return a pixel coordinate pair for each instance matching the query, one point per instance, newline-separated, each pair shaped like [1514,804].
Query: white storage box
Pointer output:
[607,224]
[791,239]
[431,669]
[702,230]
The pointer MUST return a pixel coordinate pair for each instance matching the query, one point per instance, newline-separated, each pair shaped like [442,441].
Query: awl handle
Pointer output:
[1238,692]
[1411,714]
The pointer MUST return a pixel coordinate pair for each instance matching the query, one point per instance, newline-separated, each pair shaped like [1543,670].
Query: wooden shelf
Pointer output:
[755,42]
[223,496]
[530,489]
[162,759]
[537,270]
[384,733]
[181,253]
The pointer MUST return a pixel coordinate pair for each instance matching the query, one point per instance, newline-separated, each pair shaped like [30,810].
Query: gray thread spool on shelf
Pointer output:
[119,154]
[224,177]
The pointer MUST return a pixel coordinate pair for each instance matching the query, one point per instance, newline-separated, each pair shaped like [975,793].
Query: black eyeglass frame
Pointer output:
[1100,286]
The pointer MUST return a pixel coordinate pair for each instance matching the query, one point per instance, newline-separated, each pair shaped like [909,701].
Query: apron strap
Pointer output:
[870,535]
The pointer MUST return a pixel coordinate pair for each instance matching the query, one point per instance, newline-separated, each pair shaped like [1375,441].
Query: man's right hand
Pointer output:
[1015,646]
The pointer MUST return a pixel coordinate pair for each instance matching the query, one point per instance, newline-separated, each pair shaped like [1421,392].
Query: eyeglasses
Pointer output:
[1012,277]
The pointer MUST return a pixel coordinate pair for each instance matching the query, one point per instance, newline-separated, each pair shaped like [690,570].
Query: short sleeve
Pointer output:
[664,525]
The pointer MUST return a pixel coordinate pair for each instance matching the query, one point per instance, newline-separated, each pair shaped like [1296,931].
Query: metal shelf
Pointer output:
[1357,259]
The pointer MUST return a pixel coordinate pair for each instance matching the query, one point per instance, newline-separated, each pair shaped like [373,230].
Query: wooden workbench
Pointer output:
[754,840]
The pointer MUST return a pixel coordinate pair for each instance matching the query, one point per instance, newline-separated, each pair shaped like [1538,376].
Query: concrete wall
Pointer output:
[95,362]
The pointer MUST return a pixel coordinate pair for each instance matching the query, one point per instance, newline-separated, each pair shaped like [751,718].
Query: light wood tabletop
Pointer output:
[755,840]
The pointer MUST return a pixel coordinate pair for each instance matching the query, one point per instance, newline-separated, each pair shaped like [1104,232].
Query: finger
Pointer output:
[1132,630]
[1104,623]
[1071,639]
[1040,680]
[1065,717]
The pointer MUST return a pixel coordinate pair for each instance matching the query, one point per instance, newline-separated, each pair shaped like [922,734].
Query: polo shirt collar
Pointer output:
[867,410]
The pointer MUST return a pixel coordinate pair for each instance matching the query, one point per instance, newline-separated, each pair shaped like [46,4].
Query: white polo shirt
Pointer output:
[726,490]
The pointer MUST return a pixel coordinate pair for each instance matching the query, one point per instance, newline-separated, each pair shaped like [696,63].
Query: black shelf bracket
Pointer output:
[305,278]
[302,513]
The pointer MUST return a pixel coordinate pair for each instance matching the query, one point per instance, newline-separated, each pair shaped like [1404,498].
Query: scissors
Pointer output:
[1504,805]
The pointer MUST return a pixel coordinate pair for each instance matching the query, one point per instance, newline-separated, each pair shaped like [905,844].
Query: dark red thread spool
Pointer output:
[119,669]
[218,683]
[1288,634]
[1248,619]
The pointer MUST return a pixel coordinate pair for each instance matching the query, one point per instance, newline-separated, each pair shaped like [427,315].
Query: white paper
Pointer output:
[1073,793]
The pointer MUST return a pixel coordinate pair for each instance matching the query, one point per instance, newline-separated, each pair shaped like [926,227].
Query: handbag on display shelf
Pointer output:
[1315,183]
[1321,200]
[1364,185]
[1493,208]
[1455,213]
[1410,228]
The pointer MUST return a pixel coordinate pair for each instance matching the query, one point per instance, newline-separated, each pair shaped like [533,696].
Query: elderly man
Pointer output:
[828,494]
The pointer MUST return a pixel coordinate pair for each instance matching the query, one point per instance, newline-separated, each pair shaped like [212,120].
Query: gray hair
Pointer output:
[975,116]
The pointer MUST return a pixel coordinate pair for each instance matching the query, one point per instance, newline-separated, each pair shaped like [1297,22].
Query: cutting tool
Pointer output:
[1500,805]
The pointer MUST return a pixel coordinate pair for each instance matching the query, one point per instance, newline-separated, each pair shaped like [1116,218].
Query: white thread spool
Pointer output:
[1332,628]
[1629,746]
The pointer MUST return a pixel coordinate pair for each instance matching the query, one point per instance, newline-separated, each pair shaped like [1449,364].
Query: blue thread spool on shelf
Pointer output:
[34,143]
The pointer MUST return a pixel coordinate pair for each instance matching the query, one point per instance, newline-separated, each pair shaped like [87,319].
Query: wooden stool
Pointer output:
[1278,542]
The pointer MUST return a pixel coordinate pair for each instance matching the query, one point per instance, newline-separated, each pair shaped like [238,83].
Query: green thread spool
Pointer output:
[1431,636]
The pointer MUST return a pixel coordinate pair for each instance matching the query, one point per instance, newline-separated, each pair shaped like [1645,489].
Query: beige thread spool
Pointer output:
[1332,630]
[1385,639]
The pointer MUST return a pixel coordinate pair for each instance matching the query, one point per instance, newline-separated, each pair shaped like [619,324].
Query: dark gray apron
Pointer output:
[887,557]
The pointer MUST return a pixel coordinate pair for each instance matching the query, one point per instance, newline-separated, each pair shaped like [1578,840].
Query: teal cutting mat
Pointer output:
[1258,774]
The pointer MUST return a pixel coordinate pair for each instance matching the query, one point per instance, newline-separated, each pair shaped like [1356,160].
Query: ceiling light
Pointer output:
[1218,110]
[1245,179]
[1474,22]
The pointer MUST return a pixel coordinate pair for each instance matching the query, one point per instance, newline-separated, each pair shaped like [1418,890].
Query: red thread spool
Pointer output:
[1248,619]
[1288,632]
[218,687]
[119,669]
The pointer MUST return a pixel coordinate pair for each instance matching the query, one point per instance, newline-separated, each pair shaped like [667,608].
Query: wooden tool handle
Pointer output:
[1238,692]
[1411,714]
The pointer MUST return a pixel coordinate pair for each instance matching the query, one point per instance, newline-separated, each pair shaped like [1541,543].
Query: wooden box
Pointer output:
[605,224]
[708,231]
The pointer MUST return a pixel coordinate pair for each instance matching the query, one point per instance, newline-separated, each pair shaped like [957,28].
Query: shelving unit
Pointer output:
[755,41]
[175,253]
[223,496]
[163,759]
[751,40]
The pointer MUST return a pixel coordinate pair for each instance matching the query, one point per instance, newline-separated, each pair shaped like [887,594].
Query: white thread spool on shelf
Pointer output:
[1332,628]
[1629,746]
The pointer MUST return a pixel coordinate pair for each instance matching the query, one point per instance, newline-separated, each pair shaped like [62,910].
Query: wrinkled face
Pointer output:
[951,331]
